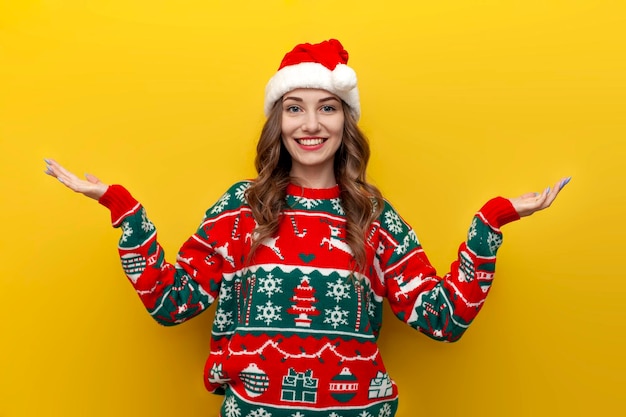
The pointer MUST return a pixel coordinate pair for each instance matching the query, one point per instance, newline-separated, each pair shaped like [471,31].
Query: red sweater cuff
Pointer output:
[499,211]
[120,202]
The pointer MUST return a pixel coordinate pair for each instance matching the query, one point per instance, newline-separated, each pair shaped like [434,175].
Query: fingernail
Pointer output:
[565,182]
[47,161]
[548,190]
[60,180]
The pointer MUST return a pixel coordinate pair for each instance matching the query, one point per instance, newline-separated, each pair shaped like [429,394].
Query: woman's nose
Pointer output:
[311,124]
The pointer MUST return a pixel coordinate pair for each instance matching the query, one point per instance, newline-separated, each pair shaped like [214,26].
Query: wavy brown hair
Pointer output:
[362,202]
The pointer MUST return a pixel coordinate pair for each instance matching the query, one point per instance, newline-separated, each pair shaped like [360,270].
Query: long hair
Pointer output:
[362,202]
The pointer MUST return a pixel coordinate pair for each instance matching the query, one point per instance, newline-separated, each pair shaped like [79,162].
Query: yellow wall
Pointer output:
[462,100]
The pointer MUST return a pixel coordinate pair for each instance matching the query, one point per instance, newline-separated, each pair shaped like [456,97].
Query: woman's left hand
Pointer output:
[527,204]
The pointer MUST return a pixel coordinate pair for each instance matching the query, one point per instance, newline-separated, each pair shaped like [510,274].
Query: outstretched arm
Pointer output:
[172,293]
[444,306]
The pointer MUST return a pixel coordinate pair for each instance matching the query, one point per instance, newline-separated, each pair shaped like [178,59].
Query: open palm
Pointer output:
[529,203]
[91,186]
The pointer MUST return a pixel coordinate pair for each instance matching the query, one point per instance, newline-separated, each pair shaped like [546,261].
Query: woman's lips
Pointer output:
[310,141]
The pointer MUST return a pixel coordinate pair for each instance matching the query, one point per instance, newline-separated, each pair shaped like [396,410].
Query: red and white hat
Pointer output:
[321,65]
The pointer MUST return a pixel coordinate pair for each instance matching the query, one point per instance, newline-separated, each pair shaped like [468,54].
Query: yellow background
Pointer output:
[462,100]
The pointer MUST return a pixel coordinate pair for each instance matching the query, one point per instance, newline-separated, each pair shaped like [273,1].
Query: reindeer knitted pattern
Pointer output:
[295,328]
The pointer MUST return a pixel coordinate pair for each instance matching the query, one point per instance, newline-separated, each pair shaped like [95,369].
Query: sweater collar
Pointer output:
[313,193]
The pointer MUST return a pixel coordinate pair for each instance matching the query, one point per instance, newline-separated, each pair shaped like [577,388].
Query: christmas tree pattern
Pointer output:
[304,299]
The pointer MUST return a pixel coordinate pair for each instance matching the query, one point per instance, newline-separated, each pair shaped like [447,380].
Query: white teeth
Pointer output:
[311,142]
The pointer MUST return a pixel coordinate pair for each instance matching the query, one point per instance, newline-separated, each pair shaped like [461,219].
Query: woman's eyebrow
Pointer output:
[329,98]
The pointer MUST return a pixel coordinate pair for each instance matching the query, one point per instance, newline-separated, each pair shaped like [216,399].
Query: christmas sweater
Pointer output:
[295,328]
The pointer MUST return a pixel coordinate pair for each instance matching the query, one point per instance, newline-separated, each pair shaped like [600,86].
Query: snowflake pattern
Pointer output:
[270,285]
[336,202]
[472,231]
[364,414]
[146,224]
[259,412]
[231,407]
[394,224]
[308,203]
[494,241]
[240,192]
[338,290]
[333,414]
[297,414]
[221,204]
[127,232]
[336,317]
[222,319]
[385,411]
[401,249]
[225,293]
[268,312]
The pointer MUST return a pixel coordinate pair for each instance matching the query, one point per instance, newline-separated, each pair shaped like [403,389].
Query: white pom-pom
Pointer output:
[343,78]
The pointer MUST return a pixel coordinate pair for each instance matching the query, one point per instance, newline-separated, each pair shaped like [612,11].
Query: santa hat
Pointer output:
[321,65]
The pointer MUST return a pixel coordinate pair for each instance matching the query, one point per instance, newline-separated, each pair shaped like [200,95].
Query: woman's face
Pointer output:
[312,130]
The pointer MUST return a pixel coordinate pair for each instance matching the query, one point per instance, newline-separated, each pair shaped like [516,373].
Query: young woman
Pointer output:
[300,259]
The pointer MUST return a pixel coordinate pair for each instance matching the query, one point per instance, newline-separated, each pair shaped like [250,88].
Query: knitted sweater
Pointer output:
[295,329]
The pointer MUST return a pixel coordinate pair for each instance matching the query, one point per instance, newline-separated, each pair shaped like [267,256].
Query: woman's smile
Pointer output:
[309,142]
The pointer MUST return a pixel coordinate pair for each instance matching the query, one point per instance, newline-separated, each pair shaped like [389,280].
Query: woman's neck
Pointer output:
[313,178]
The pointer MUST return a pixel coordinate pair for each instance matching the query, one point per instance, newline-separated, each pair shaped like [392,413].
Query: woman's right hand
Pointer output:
[92,187]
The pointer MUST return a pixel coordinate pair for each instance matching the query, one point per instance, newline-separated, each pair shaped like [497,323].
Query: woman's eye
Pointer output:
[292,109]
[328,109]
